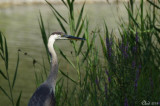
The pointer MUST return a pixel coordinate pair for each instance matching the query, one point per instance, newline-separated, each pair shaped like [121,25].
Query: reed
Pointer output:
[129,72]
[6,73]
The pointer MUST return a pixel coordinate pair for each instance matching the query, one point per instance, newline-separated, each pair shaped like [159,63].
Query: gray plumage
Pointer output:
[44,96]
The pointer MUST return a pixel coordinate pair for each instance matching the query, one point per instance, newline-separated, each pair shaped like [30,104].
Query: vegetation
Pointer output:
[11,82]
[128,74]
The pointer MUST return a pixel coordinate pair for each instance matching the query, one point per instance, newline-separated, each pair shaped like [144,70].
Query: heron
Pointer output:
[45,93]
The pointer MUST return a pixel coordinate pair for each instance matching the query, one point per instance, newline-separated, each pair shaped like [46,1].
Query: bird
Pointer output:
[45,93]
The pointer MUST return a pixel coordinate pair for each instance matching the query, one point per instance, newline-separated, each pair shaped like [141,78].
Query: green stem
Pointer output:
[10,88]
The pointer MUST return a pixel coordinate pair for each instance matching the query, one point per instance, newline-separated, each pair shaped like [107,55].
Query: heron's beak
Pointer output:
[72,37]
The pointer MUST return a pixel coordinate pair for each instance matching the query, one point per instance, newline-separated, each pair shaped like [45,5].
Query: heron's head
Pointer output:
[63,36]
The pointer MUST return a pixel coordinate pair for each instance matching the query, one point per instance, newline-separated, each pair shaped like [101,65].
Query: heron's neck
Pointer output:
[54,64]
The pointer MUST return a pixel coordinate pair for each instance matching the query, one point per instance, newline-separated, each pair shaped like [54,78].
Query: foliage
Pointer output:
[130,72]
[11,83]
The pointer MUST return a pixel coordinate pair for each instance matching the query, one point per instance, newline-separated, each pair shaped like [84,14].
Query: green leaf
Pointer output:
[64,3]
[44,36]
[104,49]
[2,56]
[15,74]
[1,42]
[158,29]
[18,100]
[3,75]
[90,48]
[81,45]
[67,76]
[5,93]
[80,16]
[6,54]
[153,4]
[65,57]
[60,23]
[80,29]
[131,16]
[57,12]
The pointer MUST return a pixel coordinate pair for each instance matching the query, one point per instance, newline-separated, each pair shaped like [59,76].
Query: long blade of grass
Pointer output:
[44,36]
[64,3]
[158,29]
[2,56]
[56,12]
[19,99]
[141,15]
[60,23]
[1,42]
[68,2]
[90,48]
[5,93]
[67,76]
[3,75]
[80,29]
[15,74]
[81,45]
[104,49]
[153,4]
[6,54]
[65,57]
[131,16]
[80,16]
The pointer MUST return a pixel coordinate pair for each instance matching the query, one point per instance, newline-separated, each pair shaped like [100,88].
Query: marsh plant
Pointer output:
[122,70]
[5,74]
[129,70]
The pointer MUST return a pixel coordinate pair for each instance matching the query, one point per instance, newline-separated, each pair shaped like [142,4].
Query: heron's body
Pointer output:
[44,95]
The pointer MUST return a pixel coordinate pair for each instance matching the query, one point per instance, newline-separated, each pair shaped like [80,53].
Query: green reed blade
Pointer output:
[3,75]
[64,3]
[81,45]
[153,4]
[80,16]
[44,36]
[6,54]
[80,29]
[66,58]
[1,42]
[15,74]
[5,93]
[141,15]
[2,56]
[60,23]
[90,48]
[68,2]
[131,16]
[19,99]
[104,49]
[67,76]
[158,29]
[53,9]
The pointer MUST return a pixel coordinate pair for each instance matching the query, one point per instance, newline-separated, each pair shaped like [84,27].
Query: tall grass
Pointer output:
[5,73]
[130,73]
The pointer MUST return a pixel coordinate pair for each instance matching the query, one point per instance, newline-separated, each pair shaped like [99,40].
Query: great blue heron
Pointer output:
[44,95]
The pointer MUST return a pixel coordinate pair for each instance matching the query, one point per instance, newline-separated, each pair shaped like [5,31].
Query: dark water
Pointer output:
[20,26]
